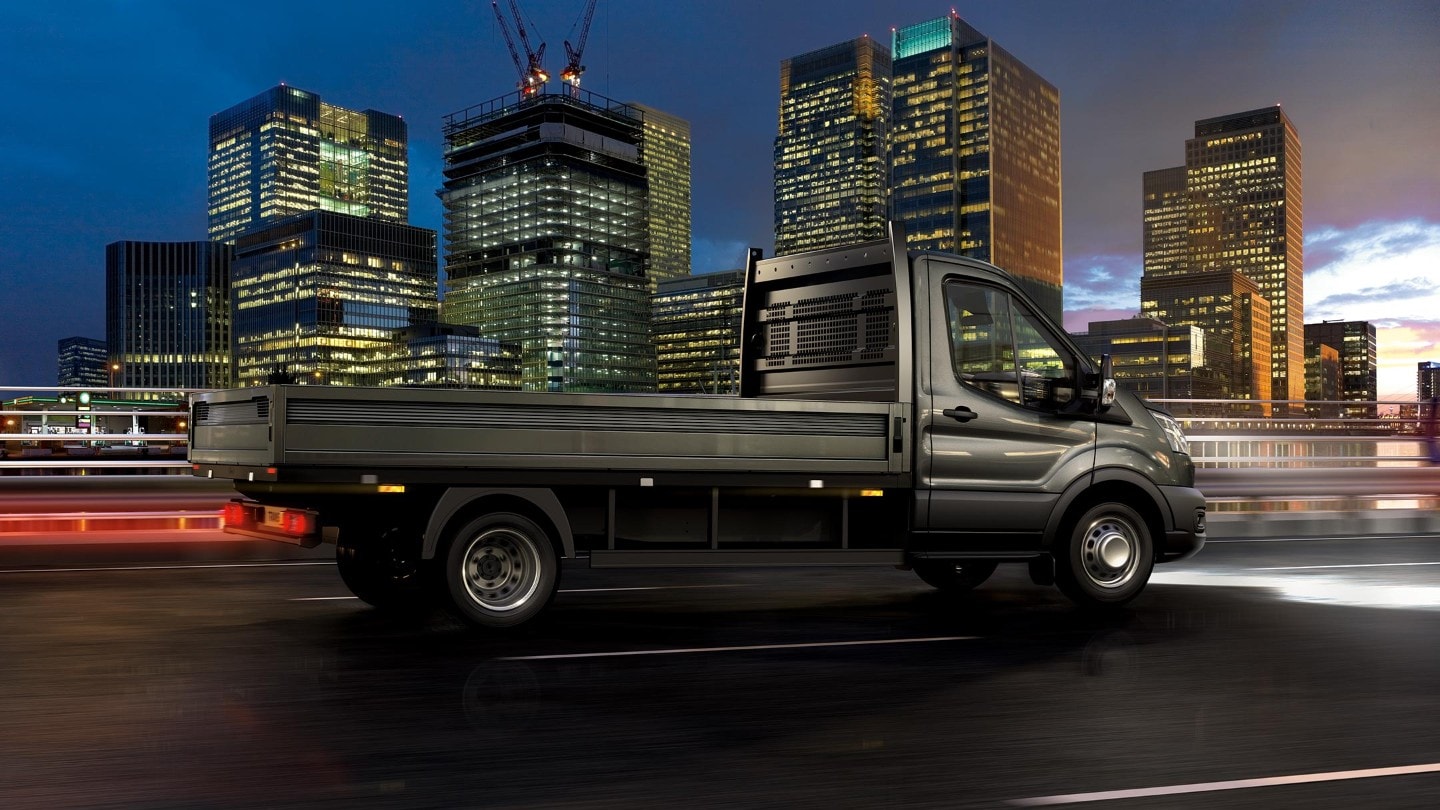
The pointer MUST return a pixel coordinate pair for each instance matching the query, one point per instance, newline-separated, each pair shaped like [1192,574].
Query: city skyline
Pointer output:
[1354,80]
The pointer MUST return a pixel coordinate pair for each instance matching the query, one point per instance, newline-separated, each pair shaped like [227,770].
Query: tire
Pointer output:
[954,577]
[384,572]
[1108,557]
[501,571]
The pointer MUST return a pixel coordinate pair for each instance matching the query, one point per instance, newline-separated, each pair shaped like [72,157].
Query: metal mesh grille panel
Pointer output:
[831,330]
[249,412]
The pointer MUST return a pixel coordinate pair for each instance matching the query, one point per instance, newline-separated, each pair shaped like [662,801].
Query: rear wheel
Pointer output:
[384,571]
[501,570]
[1108,558]
[953,576]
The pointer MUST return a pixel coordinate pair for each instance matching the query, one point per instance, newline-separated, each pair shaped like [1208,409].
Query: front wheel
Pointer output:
[954,577]
[1108,557]
[501,570]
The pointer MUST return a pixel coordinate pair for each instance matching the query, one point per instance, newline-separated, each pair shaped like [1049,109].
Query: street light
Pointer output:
[114,367]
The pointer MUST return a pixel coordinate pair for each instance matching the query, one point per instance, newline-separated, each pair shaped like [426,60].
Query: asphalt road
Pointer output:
[164,677]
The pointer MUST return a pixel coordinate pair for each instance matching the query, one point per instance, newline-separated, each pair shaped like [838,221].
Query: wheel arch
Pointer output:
[460,505]
[1111,485]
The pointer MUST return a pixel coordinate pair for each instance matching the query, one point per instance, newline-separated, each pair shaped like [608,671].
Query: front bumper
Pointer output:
[1186,531]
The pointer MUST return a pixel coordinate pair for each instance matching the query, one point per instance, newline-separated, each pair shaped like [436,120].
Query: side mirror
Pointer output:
[1100,388]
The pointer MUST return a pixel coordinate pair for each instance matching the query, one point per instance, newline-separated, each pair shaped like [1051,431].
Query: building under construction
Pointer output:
[549,232]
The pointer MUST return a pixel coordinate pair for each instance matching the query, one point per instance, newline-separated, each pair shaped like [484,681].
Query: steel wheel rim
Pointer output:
[1110,552]
[501,569]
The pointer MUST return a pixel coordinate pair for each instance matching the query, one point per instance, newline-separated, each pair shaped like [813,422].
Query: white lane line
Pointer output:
[649,588]
[1238,784]
[562,590]
[158,567]
[1368,538]
[1352,565]
[745,648]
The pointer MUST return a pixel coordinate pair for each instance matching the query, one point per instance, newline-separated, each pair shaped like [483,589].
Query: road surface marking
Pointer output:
[745,648]
[1369,538]
[649,588]
[562,590]
[157,567]
[1352,565]
[1238,784]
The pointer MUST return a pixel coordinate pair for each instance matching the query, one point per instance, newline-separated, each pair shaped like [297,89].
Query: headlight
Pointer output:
[1173,434]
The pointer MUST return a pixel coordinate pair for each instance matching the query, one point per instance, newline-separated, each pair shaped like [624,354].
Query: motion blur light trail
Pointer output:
[1317,589]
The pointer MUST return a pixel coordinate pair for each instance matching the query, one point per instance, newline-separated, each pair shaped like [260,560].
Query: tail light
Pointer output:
[234,514]
[297,523]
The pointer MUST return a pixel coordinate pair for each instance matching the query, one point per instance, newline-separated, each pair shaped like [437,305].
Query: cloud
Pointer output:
[1384,273]
[1373,271]
[1402,346]
[1106,281]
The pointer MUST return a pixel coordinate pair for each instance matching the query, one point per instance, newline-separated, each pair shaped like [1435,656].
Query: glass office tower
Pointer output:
[830,149]
[1166,235]
[697,333]
[1245,213]
[443,355]
[1239,210]
[317,295]
[1235,317]
[975,154]
[1427,380]
[286,151]
[82,361]
[665,153]
[548,236]
[167,314]
[1152,358]
[1354,342]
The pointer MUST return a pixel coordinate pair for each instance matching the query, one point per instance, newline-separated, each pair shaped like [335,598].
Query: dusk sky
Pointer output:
[108,105]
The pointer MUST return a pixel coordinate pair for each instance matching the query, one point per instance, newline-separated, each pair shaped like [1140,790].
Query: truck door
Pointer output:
[1002,425]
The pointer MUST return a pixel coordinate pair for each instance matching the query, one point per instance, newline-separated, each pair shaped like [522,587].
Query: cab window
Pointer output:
[1002,348]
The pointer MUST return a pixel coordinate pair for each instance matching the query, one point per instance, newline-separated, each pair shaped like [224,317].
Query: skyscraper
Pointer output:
[1241,206]
[1152,358]
[318,294]
[1322,380]
[1427,380]
[830,148]
[285,152]
[665,153]
[1235,317]
[1166,236]
[82,361]
[1354,342]
[167,314]
[444,355]
[549,234]
[975,154]
[1242,178]
[697,333]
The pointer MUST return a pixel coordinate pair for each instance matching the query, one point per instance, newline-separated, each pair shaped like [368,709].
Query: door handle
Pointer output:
[960,414]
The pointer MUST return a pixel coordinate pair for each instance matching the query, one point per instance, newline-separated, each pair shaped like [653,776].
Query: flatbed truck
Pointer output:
[903,409]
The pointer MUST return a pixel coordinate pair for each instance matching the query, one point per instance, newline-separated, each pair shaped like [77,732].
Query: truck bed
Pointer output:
[348,435]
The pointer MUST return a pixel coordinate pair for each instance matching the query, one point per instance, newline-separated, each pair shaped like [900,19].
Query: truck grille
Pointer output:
[255,411]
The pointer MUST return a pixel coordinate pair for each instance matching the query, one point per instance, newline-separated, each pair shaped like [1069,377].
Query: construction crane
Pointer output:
[571,74]
[532,74]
